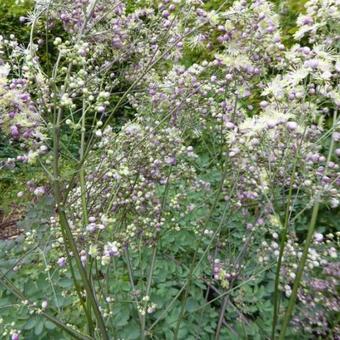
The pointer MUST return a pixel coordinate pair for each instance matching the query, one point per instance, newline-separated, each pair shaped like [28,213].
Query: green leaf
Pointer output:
[191,305]
[31,323]
[49,325]
[65,283]
[39,328]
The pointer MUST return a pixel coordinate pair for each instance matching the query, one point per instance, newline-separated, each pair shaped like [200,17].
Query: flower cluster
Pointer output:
[318,289]
[180,134]
[261,150]
[249,41]
[19,117]
[320,18]
[130,176]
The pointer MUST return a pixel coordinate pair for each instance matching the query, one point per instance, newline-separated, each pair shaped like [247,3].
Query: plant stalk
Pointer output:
[66,230]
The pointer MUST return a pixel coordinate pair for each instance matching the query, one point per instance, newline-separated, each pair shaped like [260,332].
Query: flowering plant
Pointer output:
[181,171]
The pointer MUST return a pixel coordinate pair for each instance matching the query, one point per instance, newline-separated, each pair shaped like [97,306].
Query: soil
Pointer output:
[8,225]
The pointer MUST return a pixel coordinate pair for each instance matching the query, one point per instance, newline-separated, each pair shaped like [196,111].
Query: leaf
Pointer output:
[182,333]
[39,328]
[49,325]
[65,283]
[31,323]
[191,305]
[132,331]
[122,316]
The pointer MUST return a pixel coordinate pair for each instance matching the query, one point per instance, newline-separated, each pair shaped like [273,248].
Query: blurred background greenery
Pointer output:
[12,10]
[10,13]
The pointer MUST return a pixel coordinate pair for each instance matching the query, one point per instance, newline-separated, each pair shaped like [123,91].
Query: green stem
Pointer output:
[299,273]
[149,280]
[130,272]
[83,199]
[89,291]
[66,230]
[82,168]
[220,321]
[300,269]
[283,237]
[279,262]
[75,282]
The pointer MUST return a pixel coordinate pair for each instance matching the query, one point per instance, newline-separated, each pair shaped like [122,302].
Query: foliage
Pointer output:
[10,13]
[178,165]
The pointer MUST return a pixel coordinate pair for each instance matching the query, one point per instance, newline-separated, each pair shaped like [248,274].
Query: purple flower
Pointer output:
[61,262]
[25,97]
[312,63]
[11,114]
[111,249]
[14,132]
[27,134]
[292,126]
[15,336]
[318,284]
[307,20]
[170,160]
[91,227]
[318,237]
[336,136]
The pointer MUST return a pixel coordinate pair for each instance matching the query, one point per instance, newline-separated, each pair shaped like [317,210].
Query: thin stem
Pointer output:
[154,252]
[299,273]
[282,248]
[83,199]
[283,241]
[82,168]
[128,261]
[302,263]
[89,291]
[50,280]
[221,318]
[67,233]
[75,282]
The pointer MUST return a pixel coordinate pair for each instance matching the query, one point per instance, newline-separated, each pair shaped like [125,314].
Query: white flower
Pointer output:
[39,191]
[4,70]
[254,125]
[334,202]
[93,251]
